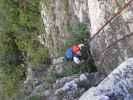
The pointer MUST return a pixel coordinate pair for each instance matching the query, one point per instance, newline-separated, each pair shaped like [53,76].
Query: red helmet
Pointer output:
[75,49]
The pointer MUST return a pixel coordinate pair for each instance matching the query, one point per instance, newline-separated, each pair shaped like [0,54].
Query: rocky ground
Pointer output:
[117,85]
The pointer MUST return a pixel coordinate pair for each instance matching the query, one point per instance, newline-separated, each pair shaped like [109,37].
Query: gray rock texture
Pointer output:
[83,81]
[54,15]
[58,17]
[118,85]
[109,48]
[114,43]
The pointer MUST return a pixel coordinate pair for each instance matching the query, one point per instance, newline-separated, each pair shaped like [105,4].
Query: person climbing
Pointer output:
[74,53]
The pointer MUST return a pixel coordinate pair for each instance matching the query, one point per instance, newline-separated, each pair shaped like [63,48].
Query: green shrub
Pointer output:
[12,80]
[39,56]
[10,64]
[18,29]
[80,32]
[37,98]
[68,71]
[50,78]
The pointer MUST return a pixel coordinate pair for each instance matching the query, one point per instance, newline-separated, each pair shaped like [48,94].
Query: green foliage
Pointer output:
[36,98]
[51,77]
[18,31]
[10,64]
[75,70]
[12,80]
[10,54]
[80,31]
[78,93]
[39,56]
[68,71]
[72,42]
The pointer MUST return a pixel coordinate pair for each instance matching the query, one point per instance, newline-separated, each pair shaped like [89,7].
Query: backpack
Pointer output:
[68,53]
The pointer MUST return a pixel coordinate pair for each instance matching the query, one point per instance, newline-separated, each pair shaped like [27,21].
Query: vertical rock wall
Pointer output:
[110,47]
[114,43]
[117,85]
[54,15]
[58,16]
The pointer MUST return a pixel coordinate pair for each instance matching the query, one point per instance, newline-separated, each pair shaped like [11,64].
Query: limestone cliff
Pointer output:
[114,43]
[58,16]
[55,18]
[117,85]
[110,47]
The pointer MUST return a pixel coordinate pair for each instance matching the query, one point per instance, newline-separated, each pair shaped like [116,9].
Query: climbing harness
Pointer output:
[111,18]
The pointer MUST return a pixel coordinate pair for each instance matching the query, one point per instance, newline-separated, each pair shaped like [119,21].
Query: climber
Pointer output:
[74,53]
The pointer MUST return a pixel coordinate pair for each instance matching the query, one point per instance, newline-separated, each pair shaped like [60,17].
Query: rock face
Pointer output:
[55,22]
[83,82]
[110,47]
[114,43]
[58,16]
[118,85]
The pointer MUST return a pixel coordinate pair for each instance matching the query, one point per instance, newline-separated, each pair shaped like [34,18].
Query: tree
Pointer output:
[20,24]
